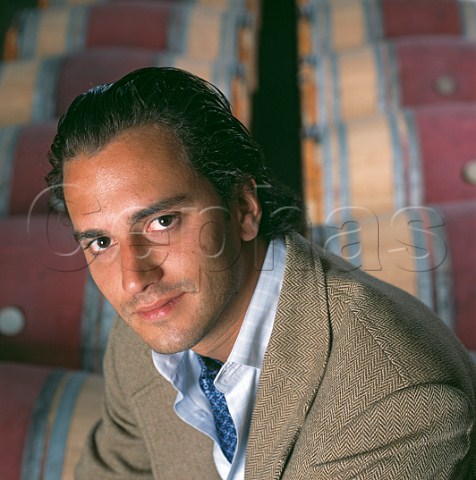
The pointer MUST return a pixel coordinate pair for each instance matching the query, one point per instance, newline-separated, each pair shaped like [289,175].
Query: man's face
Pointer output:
[160,245]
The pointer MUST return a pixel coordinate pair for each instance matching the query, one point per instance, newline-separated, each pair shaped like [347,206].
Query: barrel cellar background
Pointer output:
[364,107]
[275,111]
[51,368]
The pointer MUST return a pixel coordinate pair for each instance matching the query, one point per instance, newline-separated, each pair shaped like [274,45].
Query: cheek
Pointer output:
[212,240]
[196,245]
[107,278]
[222,255]
[202,250]
[101,282]
[217,238]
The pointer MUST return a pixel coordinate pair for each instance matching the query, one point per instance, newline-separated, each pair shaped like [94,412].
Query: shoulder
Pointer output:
[391,364]
[374,320]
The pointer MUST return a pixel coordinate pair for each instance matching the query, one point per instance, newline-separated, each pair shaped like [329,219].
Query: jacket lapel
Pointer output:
[176,449]
[293,365]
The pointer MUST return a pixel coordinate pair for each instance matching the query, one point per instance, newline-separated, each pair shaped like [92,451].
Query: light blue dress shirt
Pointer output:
[239,376]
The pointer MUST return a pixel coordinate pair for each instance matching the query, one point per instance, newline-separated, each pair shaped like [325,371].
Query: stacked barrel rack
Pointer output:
[53,321]
[388,136]
[388,117]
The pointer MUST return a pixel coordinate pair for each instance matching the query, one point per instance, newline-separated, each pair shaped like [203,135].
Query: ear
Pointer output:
[249,210]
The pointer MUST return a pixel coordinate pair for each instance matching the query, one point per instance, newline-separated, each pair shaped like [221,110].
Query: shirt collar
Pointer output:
[255,331]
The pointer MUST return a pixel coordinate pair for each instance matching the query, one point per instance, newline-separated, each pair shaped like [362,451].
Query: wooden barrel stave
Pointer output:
[45,265]
[23,166]
[23,385]
[404,73]
[335,25]
[42,89]
[446,150]
[188,29]
[460,222]
[422,17]
[390,161]
[45,419]
[251,5]
[436,70]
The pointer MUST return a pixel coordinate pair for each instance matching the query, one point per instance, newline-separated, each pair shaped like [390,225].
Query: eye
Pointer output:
[162,223]
[99,245]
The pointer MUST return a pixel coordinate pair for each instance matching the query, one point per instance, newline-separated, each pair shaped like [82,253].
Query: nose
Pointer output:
[140,267]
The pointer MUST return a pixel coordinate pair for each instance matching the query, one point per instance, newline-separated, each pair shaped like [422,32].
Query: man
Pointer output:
[243,350]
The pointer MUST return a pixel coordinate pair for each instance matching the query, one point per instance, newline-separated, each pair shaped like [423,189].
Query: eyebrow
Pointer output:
[88,234]
[152,209]
[157,207]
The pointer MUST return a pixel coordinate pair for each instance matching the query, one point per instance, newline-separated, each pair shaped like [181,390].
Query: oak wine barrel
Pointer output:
[251,5]
[334,25]
[23,166]
[45,417]
[401,73]
[181,28]
[42,89]
[51,313]
[391,160]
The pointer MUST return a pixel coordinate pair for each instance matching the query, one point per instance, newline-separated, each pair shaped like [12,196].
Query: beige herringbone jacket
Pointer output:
[360,381]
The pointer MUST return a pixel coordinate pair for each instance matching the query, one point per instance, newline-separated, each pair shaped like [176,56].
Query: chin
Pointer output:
[168,345]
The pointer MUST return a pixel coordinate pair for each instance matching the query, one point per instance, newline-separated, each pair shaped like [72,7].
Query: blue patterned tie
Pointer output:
[223,422]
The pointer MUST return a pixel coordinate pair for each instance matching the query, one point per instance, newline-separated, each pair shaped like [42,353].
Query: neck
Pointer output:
[221,344]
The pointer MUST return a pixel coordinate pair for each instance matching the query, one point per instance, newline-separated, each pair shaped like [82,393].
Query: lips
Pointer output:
[159,309]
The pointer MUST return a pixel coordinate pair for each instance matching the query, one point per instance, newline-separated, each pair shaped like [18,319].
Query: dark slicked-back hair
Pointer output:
[199,117]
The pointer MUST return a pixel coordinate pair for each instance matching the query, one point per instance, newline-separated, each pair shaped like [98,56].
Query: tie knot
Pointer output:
[210,367]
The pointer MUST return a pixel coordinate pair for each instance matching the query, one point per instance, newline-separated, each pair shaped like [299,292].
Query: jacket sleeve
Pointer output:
[420,432]
[115,448]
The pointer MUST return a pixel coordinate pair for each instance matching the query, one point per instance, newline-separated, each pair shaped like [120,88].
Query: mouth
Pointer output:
[159,309]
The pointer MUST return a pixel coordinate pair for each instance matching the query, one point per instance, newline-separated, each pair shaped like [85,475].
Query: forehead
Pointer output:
[157,143]
[137,168]
[133,153]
